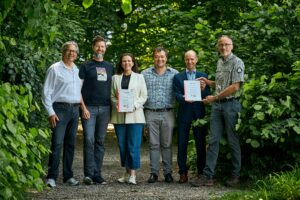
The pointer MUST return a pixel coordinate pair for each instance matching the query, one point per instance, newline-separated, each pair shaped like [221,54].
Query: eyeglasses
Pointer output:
[71,51]
[224,45]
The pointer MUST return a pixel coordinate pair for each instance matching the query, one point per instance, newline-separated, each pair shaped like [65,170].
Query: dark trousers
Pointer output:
[63,136]
[200,144]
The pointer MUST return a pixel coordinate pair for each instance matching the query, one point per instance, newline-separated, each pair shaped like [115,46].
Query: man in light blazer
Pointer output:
[189,111]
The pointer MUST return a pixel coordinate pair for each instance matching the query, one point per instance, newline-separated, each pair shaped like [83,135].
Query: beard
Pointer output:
[98,55]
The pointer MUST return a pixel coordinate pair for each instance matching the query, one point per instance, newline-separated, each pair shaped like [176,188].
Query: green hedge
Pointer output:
[21,145]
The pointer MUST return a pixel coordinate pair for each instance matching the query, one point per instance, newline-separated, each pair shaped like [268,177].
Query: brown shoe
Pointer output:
[183,178]
[233,181]
[202,181]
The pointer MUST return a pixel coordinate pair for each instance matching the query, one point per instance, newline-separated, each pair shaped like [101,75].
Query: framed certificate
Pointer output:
[192,90]
[125,101]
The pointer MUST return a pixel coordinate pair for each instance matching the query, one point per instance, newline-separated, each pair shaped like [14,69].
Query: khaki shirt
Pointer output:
[229,71]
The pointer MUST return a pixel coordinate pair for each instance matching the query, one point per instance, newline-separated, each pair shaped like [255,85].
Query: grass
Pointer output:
[278,186]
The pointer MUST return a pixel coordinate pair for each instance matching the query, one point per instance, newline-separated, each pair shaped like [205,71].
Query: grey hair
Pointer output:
[65,46]
[225,36]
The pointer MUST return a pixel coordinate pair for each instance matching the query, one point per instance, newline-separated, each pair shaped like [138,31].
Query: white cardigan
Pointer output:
[138,85]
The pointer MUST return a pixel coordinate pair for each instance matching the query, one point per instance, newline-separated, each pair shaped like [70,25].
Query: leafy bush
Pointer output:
[21,149]
[272,129]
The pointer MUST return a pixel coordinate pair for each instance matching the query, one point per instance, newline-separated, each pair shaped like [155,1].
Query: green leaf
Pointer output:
[260,115]
[7,193]
[296,129]
[13,42]
[11,172]
[255,143]
[44,134]
[2,46]
[87,3]
[257,107]
[223,141]
[23,152]
[11,127]
[126,6]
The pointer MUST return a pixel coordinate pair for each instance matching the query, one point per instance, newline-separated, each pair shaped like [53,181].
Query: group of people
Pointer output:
[93,92]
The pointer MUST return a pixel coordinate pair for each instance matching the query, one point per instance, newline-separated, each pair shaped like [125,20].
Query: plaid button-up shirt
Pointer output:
[160,88]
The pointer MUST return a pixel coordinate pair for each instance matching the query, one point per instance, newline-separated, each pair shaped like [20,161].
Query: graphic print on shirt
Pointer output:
[101,74]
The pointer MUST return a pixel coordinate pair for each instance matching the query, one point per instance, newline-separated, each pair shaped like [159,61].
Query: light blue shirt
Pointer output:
[160,88]
[191,75]
[62,84]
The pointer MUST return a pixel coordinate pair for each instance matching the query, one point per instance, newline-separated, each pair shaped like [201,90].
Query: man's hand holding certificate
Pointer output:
[125,101]
[192,90]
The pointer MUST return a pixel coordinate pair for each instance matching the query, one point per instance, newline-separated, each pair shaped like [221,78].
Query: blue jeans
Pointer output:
[223,119]
[129,140]
[94,130]
[63,135]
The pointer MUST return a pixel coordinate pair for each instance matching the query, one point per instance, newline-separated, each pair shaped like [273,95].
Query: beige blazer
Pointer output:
[138,85]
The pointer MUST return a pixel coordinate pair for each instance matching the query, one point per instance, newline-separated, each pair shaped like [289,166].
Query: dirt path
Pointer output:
[114,190]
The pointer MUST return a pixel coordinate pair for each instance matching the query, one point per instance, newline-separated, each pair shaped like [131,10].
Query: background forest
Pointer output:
[265,35]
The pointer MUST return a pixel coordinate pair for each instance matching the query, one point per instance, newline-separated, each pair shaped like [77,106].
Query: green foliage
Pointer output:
[126,6]
[270,30]
[276,186]
[192,154]
[32,33]
[87,3]
[273,126]
[21,150]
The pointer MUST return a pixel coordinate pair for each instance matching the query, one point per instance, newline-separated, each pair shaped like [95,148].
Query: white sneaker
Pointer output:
[124,178]
[50,183]
[132,180]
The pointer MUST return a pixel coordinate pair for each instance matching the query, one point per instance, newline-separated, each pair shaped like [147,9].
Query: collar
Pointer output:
[193,71]
[228,58]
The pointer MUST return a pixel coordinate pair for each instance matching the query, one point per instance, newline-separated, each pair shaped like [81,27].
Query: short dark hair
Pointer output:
[159,49]
[98,38]
[120,69]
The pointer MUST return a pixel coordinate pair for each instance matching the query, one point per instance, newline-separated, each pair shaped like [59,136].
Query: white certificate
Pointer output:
[125,101]
[192,91]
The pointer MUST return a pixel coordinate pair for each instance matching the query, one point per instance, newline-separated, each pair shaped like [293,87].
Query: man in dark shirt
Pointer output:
[96,76]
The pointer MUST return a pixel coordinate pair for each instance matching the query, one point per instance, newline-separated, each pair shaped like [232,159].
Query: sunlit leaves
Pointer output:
[21,148]
[87,3]
[126,6]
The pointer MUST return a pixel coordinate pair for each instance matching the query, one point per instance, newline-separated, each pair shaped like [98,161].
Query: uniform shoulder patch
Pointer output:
[239,70]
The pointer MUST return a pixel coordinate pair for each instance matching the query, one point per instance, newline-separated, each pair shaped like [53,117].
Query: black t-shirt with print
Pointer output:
[96,86]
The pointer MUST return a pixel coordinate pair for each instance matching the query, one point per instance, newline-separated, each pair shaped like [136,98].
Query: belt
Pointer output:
[227,100]
[159,109]
[66,104]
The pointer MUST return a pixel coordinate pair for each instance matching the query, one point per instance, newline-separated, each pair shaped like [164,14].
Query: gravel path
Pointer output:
[112,170]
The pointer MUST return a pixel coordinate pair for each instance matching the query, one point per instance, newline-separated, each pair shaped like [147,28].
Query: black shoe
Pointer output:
[168,178]
[98,180]
[153,178]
